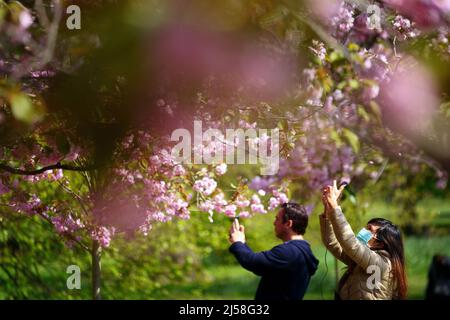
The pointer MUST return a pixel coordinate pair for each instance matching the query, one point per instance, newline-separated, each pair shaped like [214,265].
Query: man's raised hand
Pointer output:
[237,232]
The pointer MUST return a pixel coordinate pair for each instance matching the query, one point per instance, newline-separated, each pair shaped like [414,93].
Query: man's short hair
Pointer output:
[297,213]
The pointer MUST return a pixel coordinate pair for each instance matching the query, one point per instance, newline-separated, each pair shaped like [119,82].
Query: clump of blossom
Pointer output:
[319,50]
[103,235]
[343,22]
[221,169]
[205,186]
[67,224]
[405,29]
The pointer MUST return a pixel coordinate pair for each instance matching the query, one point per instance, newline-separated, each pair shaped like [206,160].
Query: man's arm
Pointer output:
[260,262]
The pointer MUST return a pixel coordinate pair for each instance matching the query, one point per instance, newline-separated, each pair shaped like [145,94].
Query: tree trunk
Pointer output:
[96,269]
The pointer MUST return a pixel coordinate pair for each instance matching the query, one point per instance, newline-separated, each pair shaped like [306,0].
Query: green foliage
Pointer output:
[33,261]
[188,259]
[352,139]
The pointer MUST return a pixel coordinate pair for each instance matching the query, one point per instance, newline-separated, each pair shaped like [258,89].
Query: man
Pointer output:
[286,269]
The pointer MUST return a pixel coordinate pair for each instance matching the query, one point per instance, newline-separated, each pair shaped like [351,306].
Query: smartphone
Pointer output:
[343,183]
[236,222]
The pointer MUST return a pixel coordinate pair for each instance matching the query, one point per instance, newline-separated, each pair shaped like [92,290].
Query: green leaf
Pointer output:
[352,139]
[353,47]
[143,163]
[376,110]
[15,9]
[336,56]
[341,85]
[327,84]
[363,113]
[335,137]
[352,198]
[22,108]
[3,11]
[354,84]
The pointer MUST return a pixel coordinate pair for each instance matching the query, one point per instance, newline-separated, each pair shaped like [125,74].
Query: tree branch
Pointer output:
[67,235]
[7,168]
[43,18]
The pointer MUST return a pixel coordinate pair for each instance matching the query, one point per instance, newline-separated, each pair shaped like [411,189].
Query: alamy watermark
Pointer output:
[73,21]
[74,280]
[374,280]
[236,146]
[373,12]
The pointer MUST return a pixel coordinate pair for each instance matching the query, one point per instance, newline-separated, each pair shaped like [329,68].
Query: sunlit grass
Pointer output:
[233,282]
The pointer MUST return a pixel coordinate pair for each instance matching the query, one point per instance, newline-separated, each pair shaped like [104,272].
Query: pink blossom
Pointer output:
[245,125]
[159,216]
[404,27]
[244,214]
[221,169]
[324,9]
[219,202]
[179,206]
[25,19]
[318,48]
[230,210]
[342,23]
[425,13]
[258,208]
[282,198]
[74,153]
[441,184]
[179,170]
[242,202]
[130,179]
[3,189]
[155,160]
[273,203]
[409,99]
[66,224]
[206,206]
[103,235]
[256,199]
[337,95]
[145,228]
[371,92]
[205,186]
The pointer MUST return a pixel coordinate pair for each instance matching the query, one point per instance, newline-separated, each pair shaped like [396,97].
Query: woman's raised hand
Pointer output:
[331,195]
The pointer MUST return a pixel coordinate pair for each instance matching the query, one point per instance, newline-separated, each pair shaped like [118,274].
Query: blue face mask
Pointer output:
[364,236]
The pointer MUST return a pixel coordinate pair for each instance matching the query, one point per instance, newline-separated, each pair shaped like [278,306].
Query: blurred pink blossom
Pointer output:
[425,13]
[190,55]
[409,99]
[25,19]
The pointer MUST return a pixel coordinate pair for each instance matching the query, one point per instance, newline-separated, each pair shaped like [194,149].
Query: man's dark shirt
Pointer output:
[285,270]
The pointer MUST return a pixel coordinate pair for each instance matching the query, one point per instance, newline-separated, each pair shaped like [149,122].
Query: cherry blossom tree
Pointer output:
[86,117]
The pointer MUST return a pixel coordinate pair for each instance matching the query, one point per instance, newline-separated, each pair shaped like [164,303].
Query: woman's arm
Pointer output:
[355,250]
[352,247]
[329,240]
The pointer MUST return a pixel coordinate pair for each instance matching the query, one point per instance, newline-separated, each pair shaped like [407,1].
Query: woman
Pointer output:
[375,257]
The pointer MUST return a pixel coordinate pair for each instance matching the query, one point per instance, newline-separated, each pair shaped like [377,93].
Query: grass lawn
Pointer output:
[233,282]
[230,281]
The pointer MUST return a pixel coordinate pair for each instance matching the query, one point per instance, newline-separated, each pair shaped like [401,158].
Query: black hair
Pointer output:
[391,237]
[297,213]
[379,222]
